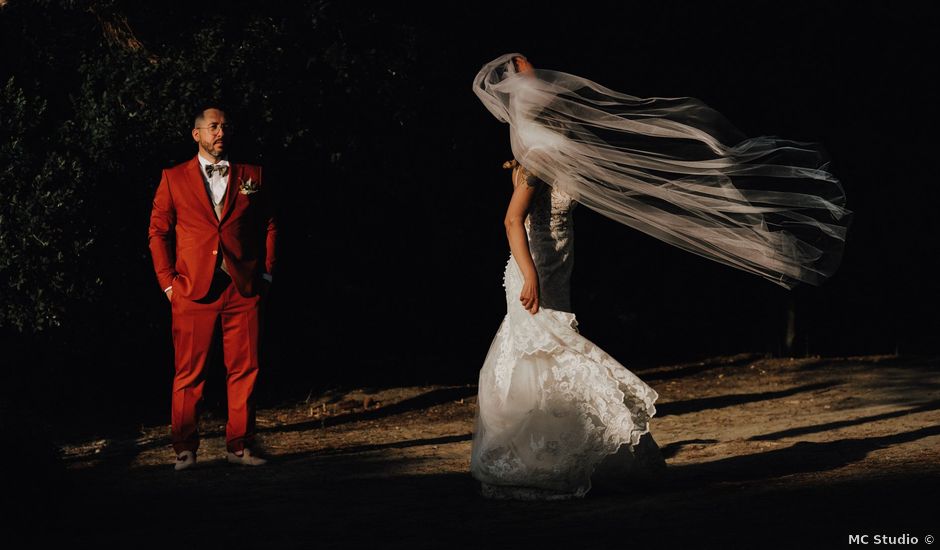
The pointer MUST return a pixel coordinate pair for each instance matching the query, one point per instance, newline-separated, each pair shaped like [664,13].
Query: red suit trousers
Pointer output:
[195,323]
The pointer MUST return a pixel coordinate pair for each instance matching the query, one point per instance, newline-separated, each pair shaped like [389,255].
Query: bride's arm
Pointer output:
[518,241]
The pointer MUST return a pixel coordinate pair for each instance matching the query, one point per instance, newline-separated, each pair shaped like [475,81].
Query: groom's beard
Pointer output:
[209,148]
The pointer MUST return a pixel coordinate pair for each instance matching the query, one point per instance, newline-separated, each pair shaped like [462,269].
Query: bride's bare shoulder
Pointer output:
[520,175]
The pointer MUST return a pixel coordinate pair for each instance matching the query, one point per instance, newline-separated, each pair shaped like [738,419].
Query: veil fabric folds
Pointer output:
[676,170]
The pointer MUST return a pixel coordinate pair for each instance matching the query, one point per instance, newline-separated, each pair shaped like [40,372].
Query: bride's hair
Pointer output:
[510,164]
[517,61]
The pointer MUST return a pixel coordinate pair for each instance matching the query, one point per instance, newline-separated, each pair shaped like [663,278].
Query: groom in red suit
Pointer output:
[212,237]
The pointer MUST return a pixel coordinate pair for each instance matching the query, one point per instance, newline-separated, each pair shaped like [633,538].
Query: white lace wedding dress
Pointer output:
[552,406]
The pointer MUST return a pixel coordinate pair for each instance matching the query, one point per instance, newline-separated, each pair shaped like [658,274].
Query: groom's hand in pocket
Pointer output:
[264,289]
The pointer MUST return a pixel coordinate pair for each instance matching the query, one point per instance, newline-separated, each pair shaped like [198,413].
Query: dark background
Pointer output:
[391,195]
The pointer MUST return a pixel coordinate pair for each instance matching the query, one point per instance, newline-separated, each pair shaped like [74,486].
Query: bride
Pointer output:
[553,408]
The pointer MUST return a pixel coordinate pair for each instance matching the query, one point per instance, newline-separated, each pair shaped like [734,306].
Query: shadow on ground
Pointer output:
[393,491]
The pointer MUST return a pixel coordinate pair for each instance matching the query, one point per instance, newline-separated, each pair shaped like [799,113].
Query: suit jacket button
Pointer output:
[214,252]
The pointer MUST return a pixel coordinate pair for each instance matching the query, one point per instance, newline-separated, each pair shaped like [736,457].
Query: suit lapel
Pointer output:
[231,190]
[198,185]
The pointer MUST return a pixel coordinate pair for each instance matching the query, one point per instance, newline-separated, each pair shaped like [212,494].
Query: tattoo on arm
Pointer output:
[527,178]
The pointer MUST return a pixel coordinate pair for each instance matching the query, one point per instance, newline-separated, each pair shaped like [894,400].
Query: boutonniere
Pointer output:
[248,186]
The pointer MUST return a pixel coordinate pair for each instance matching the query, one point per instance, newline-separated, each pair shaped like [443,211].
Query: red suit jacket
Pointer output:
[186,236]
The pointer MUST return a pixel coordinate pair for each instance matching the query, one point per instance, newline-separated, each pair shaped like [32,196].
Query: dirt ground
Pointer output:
[761,452]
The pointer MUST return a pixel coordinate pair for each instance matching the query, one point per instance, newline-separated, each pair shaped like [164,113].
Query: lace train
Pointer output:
[552,405]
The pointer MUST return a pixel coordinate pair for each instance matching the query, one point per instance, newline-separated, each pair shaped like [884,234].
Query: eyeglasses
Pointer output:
[215,127]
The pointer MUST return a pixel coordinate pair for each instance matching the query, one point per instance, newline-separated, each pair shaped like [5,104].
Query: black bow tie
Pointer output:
[223,170]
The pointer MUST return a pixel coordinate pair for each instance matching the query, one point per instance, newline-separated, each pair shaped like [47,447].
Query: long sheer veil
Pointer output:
[677,170]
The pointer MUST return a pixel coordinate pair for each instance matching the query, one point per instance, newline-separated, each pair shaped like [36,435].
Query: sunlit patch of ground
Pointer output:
[760,452]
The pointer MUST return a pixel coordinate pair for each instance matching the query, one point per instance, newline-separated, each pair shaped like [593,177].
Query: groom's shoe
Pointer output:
[185,459]
[246,458]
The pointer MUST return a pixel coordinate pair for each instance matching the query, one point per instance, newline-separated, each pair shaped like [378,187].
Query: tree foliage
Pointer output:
[44,226]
